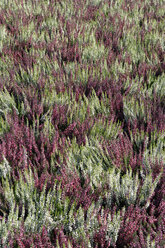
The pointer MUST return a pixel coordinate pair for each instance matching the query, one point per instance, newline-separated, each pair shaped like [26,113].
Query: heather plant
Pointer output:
[136,111]
[33,209]
[82,105]
[30,77]
[154,151]
[82,109]
[5,64]
[122,153]
[7,103]
[105,129]
[48,211]
[29,146]
[4,127]
[2,36]
[157,86]
[94,52]
[85,160]
[90,165]
[127,189]
[5,168]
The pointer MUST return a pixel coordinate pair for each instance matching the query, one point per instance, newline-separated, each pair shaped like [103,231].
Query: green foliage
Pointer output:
[125,188]
[4,168]
[21,105]
[108,130]
[138,139]
[154,150]
[4,127]
[27,31]
[7,103]
[135,109]
[27,78]
[150,244]
[4,68]
[78,111]
[75,224]
[50,98]
[3,35]
[93,51]
[38,209]
[50,210]
[147,190]
[89,160]
[159,86]
[137,33]
[113,225]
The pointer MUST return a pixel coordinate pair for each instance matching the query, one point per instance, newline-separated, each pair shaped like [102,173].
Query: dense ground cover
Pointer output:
[82,123]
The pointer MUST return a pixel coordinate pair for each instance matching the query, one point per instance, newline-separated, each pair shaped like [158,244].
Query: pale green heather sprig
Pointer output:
[157,86]
[36,204]
[153,149]
[4,168]
[77,111]
[29,77]
[7,105]
[79,230]
[109,130]
[7,102]
[92,52]
[113,225]
[90,160]
[50,210]
[3,35]
[150,243]
[134,109]
[125,188]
